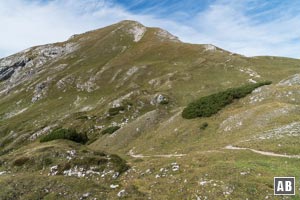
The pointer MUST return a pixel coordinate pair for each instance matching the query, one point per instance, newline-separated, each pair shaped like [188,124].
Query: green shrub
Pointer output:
[46,161]
[99,153]
[110,130]
[203,126]
[209,105]
[116,110]
[91,140]
[164,102]
[61,167]
[68,134]
[89,160]
[83,117]
[119,164]
[20,161]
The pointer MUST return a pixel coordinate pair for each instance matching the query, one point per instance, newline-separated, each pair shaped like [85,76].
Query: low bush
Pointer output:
[119,164]
[83,117]
[20,161]
[46,161]
[203,126]
[89,160]
[116,110]
[68,134]
[164,102]
[209,105]
[99,153]
[91,140]
[110,130]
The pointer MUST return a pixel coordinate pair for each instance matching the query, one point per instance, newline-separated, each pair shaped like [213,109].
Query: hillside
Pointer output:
[140,79]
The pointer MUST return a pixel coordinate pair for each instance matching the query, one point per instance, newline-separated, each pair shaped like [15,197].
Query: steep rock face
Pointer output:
[20,67]
[9,68]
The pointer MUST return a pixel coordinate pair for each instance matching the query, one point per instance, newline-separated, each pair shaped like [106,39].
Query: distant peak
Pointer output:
[165,35]
[136,29]
[209,47]
[130,22]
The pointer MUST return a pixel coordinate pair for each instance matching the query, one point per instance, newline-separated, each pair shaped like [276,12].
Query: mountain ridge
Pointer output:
[136,81]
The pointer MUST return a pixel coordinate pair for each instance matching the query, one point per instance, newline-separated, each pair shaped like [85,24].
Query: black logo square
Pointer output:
[284,185]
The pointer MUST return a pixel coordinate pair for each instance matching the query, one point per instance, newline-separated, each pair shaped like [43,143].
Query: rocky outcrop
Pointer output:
[290,81]
[11,64]
[209,47]
[20,67]
[164,35]
[40,90]
[138,31]
[159,99]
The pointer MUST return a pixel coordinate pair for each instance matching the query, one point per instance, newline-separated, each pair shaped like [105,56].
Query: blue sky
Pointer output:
[248,27]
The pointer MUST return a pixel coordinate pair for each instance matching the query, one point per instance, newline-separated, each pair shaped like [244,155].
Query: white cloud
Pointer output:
[25,24]
[224,23]
[227,25]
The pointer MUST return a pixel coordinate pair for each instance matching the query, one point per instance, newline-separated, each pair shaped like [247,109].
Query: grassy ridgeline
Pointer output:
[209,105]
[110,130]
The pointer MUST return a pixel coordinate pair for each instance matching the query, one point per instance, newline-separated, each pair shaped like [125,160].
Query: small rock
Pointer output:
[122,193]
[175,167]
[3,172]
[85,195]
[114,186]
[115,175]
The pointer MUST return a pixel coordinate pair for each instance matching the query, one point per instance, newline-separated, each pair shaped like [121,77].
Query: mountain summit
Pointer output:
[99,116]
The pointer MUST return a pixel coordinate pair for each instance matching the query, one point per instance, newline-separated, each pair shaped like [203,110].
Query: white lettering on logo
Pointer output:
[280,186]
[288,186]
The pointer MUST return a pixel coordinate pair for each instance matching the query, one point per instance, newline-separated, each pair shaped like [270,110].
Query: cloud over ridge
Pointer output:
[249,27]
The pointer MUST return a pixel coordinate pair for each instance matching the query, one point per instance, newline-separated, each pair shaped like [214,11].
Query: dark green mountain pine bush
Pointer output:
[209,105]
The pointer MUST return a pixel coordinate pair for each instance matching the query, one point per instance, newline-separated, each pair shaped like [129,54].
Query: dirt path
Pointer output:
[131,153]
[229,147]
[266,153]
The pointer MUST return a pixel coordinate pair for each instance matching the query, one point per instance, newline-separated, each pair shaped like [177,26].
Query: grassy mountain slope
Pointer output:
[152,76]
